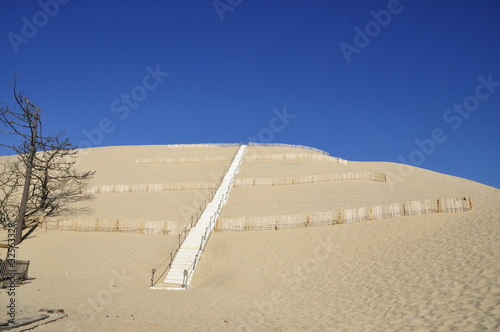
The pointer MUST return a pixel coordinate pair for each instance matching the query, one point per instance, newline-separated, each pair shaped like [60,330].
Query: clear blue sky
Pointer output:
[344,76]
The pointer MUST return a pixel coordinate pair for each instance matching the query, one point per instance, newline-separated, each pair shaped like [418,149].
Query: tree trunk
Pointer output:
[27,181]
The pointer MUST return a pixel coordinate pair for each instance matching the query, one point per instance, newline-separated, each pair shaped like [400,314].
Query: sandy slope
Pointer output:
[116,166]
[436,272]
[324,196]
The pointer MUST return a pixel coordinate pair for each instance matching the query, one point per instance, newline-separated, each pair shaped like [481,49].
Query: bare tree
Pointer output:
[43,180]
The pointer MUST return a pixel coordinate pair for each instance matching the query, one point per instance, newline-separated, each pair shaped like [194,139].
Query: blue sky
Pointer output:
[412,81]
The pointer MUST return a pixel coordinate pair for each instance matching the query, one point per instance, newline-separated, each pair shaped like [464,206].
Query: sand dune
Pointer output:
[436,272]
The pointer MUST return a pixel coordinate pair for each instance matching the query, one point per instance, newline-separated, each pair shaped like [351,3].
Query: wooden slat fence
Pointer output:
[373,176]
[203,145]
[113,225]
[283,156]
[345,216]
[19,270]
[289,146]
[149,187]
[179,160]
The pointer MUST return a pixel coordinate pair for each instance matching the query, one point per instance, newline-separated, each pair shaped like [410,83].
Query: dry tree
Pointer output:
[40,180]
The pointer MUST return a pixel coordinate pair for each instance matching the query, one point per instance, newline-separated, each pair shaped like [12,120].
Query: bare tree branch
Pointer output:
[41,181]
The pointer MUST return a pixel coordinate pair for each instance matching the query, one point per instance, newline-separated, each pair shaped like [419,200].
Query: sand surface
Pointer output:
[436,272]
[325,196]
[116,166]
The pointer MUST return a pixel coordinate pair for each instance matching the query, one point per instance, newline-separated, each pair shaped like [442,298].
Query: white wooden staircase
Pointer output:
[185,261]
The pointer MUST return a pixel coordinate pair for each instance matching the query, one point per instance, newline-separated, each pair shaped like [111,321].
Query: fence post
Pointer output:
[152,277]
[184,279]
